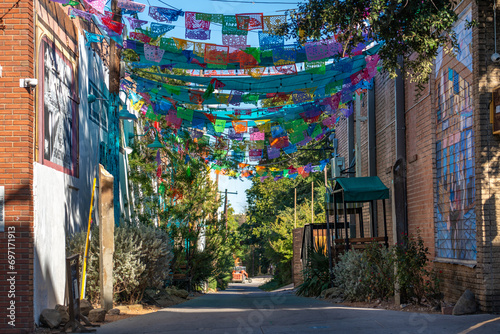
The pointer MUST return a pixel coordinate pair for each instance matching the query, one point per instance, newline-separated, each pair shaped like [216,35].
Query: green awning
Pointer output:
[360,189]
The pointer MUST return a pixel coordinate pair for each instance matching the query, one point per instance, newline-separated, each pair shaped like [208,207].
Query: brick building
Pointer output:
[450,155]
[51,140]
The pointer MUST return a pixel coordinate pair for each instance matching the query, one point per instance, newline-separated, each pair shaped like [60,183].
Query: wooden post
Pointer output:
[106,237]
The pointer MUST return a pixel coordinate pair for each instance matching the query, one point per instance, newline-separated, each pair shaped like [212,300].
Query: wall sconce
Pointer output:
[125,114]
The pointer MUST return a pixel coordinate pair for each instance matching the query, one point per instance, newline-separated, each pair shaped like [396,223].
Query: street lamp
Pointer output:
[155,144]
[125,114]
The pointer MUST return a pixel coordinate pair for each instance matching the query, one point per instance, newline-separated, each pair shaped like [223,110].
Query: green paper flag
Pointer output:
[219,125]
[317,131]
[151,115]
[295,125]
[186,114]
[333,87]
[296,136]
[71,3]
[316,67]
[172,89]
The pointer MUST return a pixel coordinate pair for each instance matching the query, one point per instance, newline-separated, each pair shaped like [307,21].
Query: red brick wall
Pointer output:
[485,278]
[385,143]
[420,141]
[16,159]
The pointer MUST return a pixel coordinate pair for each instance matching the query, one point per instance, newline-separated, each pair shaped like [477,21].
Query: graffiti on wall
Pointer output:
[59,118]
[455,228]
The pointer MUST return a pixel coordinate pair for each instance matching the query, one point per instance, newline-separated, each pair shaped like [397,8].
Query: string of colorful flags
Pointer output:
[256,102]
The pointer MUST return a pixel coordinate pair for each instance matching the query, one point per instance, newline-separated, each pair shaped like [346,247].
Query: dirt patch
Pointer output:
[388,305]
[163,301]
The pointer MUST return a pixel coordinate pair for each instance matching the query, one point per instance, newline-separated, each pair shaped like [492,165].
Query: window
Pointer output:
[98,110]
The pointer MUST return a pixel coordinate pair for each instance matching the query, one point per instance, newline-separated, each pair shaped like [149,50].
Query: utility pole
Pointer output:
[312,202]
[225,203]
[114,122]
[295,209]
[225,207]
[109,193]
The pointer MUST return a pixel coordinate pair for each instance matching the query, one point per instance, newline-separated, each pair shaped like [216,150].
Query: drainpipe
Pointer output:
[372,153]
[399,168]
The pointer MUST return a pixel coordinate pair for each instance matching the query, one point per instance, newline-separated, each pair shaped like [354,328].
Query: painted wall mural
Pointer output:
[455,228]
[59,130]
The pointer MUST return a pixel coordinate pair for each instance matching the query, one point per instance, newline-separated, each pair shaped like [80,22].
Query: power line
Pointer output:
[168,5]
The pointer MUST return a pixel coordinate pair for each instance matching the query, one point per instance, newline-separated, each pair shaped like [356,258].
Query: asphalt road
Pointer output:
[245,309]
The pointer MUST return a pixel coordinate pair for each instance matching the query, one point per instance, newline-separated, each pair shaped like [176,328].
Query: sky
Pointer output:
[226,7]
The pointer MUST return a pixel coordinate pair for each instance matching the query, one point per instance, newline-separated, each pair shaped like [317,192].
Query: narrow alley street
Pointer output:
[245,309]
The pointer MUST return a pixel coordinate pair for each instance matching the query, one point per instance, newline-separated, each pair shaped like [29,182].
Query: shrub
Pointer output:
[416,280]
[350,277]
[316,273]
[370,274]
[380,271]
[141,259]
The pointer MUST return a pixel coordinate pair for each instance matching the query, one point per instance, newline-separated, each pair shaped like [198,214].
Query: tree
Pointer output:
[270,218]
[414,30]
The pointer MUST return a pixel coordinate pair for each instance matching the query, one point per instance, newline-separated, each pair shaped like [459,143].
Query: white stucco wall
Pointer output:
[53,198]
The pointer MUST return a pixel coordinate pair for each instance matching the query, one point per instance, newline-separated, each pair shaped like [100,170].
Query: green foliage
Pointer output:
[316,273]
[141,259]
[380,272]
[404,28]
[365,275]
[348,273]
[370,274]
[416,280]
[201,262]
[184,205]
[271,220]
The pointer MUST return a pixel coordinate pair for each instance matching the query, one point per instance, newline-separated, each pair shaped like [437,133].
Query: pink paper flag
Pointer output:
[257,136]
[98,5]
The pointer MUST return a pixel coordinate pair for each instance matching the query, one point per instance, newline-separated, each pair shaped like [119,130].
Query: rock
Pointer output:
[50,318]
[97,315]
[85,307]
[178,293]
[63,311]
[466,304]
[122,308]
[331,293]
[114,311]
